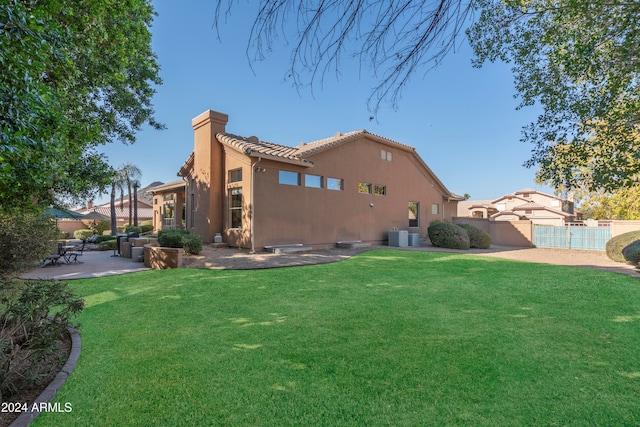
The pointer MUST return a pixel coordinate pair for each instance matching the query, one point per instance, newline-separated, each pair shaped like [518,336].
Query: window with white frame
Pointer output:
[235,207]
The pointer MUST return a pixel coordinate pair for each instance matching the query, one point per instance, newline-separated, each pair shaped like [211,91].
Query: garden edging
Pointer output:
[54,386]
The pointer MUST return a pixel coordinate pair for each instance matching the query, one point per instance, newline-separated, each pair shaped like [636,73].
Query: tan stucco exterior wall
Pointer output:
[504,233]
[286,214]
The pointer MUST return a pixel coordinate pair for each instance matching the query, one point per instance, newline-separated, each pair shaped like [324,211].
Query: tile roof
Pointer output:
[143,213]
[341,138]
[252,146]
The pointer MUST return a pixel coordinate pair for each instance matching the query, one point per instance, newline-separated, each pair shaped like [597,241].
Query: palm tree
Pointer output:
[136,184]
[130,173]
[117,182]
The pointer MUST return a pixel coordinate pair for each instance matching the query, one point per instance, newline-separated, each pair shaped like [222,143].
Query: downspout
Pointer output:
[252,232]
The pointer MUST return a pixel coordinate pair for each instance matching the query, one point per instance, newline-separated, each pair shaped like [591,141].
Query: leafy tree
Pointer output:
[580,61]
[74,74]
[621,204]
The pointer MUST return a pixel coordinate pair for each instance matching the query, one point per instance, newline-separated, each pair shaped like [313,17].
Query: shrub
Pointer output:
[631,253]
[192,244]
[171,238]
[25,239]
[108,245]
[446,235]
[29,328]
[615,245]
[478,238]
[101,239]
[82,234]
[132,229]
[146,228]
[101,227]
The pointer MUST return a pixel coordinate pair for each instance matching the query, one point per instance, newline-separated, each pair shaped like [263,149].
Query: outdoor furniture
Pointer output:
[72,253]
[54,256]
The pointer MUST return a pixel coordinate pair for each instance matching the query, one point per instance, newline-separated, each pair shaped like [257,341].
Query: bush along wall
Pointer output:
[447,235]
[478,238]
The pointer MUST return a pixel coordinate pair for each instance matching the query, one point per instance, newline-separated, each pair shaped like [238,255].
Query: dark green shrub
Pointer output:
[615,245]
[171,238]
[631,253]
[82,234]
[478,238]
[133,229]
[103,238]
[446,235]
[34,315]
[25,239]
[192,244]
[101,227]
[146,228]
[107,245]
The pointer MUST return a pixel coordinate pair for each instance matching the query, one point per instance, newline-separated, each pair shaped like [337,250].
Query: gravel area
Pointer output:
[236,259]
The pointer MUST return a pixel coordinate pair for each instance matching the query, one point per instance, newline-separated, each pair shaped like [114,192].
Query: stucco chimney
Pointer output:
[90,204]
[208,173]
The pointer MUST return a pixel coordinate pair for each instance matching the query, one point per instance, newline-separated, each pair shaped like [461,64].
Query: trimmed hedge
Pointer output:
[107,245]
[478,238]
[192,244]
[631,253]
[616,244]
[447,235]
[171,238]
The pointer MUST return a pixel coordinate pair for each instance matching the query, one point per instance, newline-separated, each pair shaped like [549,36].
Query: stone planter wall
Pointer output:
[159,258]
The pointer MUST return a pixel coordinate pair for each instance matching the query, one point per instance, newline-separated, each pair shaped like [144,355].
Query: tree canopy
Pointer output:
[578,59]
[74,74]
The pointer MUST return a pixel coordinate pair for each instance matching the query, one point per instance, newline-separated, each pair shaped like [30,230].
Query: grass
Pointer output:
[385,338]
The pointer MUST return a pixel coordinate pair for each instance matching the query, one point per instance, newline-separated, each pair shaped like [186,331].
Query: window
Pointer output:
[364,188]
[289,178]
[335,184]
[235,175]
[414,214]
[192,205]
[380,190]
[435,208]
[235,207]
[313,181]
[386,155]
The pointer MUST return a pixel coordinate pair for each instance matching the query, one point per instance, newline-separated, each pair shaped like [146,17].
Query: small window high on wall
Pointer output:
[288,178]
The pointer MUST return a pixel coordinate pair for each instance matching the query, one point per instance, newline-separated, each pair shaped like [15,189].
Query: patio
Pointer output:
[90,264]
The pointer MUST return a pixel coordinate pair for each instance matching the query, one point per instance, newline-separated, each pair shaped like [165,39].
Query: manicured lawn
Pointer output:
[386,338]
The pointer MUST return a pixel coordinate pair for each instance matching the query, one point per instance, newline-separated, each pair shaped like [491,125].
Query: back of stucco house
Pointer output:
[349,187]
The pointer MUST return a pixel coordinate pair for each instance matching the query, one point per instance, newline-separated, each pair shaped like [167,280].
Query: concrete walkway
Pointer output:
[90,264]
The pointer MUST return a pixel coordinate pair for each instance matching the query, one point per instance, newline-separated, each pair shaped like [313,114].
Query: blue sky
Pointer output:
[461,120]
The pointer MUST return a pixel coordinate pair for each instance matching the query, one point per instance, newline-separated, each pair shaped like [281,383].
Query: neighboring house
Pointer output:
[145,210]
[536,206]
[169,205]
[349,187]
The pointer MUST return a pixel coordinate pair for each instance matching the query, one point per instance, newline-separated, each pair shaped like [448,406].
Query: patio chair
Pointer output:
[54,256]
[73,254]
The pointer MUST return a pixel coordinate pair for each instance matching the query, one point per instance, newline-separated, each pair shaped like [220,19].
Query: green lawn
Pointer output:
[386,338]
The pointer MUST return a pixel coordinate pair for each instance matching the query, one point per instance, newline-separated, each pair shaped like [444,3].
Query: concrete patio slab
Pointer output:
[90,264]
